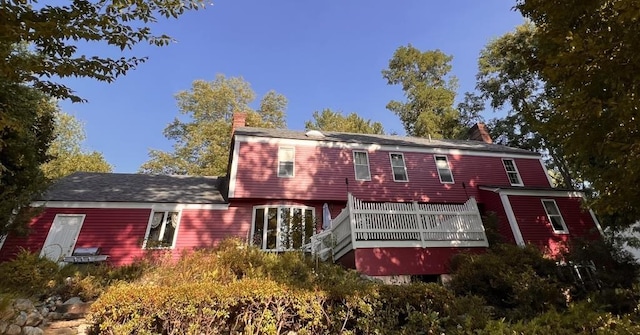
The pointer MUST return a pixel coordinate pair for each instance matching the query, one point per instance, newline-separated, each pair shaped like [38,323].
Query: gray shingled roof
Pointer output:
[330,136]
[126,187]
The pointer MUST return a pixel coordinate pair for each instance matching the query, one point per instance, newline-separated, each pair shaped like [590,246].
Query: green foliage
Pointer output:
[430,93]
[580,318]
[586,53]
[517,282]
[28,275]
[52,33]
[202,142]
[67,155]
[26,125]
[329,120]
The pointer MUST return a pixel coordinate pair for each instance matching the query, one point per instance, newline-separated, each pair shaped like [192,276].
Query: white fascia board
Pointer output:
[596,221]
[234,168]
[127,205]
[534,193]
[511,217]
[377,147]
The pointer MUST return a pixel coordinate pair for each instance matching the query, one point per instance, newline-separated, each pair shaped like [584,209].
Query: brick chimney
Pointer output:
[239,120]
[479,132]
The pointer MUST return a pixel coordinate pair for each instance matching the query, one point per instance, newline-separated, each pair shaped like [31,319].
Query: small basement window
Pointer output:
[161,232]
[554,216]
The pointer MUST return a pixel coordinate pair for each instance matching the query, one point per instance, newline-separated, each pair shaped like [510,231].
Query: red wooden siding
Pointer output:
[536,228]
[407,261]
[491,202]
[320,173]
[119,232]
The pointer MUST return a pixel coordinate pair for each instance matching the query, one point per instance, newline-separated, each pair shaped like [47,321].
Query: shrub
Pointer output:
[518,282]
[29,275]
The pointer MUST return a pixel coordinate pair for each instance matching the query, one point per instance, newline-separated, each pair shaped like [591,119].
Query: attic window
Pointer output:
[314,133]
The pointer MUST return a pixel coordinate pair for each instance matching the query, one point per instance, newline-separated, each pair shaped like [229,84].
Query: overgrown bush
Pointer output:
[517,282]
[29,275]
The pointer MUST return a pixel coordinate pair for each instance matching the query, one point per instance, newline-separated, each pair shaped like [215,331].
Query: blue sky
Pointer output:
[318,54]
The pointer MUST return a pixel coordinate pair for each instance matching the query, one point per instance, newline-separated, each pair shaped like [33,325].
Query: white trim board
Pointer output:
[534,193]
[127,205]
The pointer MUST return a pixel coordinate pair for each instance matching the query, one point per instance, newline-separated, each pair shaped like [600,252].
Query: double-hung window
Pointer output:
[512,172]
[161,232]
[286,158]
[554,216]
[444,170]
[398,167]
[361,165]
[280,228]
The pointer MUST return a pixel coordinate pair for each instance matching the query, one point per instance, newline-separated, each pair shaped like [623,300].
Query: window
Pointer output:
[398,167]
[512,172]
[553,213]
[279,228]
[286,157]
[361,165]
[444,170]
[161,232]
[2,238]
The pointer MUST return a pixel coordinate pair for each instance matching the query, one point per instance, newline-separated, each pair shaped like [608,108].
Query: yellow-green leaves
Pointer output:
[329,120]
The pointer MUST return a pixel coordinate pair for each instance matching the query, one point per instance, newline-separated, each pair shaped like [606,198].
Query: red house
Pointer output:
[400,205]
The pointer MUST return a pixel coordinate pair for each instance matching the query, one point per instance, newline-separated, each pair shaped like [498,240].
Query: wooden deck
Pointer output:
[401,225]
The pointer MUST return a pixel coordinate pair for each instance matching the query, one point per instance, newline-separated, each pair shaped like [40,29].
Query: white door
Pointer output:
[62,236]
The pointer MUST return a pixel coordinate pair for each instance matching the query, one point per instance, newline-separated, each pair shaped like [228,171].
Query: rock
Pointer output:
[55,316]
[74,300]
[44,311]
[33,319]
[13,330]
[21,319]
[23,305]
[3,326]
[28,330]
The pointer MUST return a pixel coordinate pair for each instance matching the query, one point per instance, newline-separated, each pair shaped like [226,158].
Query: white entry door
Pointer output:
[62,236]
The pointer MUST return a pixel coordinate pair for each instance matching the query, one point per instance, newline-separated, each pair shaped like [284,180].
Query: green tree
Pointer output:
[52,32]
[329,120]
[508,82]
[202,142]
[67,155]
[26,123]
[430,92]
[587,54]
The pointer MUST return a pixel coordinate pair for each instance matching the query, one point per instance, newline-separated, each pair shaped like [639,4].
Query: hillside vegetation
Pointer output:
[237,289]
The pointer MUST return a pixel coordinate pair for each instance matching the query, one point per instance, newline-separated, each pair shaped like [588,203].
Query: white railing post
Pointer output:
[352,223]
[419,219]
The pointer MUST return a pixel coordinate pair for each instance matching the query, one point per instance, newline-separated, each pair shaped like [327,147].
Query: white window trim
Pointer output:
[446,159]
[404,165]
[516,172]
[355,169]
[175,234]
[293,170]
[565,230]
[265,223]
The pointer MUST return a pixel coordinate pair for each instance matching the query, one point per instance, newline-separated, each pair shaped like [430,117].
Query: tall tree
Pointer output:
[587,52]
[508,82]
[67,155]
[52,32]
[202,142]
[429,90]
[26,123]
[329,120]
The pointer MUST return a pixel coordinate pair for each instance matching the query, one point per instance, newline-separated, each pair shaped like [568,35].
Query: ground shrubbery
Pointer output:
[235,288]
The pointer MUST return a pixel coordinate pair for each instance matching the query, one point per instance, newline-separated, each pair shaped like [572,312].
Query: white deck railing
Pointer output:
[403,224]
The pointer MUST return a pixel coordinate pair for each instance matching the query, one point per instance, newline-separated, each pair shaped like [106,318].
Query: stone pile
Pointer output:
[50,317]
